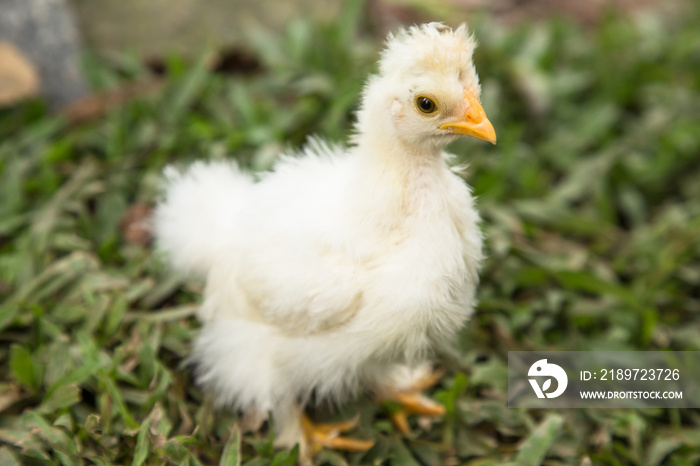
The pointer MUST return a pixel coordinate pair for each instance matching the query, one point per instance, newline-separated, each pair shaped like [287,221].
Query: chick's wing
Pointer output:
[304,290]
[292,266]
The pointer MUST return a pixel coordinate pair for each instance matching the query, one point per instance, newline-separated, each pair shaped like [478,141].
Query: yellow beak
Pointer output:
[474,122]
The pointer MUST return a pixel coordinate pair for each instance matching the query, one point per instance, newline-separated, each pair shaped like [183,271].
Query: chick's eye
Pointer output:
[426,105]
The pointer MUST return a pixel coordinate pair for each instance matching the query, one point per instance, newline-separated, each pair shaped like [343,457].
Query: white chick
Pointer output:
[342,265]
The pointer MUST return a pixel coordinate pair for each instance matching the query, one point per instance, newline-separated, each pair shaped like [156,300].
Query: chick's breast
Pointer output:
[419,287]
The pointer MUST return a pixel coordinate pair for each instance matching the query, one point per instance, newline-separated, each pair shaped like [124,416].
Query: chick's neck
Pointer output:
[383,156]
[397,178]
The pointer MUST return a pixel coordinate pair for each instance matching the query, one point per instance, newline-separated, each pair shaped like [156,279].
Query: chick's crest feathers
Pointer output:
[430,46]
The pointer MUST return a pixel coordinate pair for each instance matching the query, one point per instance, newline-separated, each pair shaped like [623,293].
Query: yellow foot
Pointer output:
[328,435]
[413,401]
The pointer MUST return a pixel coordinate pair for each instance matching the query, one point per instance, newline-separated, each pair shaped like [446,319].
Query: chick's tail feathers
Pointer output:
[197,217]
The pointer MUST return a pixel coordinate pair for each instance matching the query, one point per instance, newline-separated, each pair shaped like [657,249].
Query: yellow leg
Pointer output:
[328,435]
[413,401]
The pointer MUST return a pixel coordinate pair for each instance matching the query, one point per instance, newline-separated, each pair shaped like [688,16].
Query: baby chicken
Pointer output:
[342,268]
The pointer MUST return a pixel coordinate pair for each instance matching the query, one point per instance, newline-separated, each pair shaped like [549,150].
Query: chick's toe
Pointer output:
[327,435]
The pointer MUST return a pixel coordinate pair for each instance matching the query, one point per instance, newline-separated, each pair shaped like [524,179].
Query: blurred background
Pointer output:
[590,200]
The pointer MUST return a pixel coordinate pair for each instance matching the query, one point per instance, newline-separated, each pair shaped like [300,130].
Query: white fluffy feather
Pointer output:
[200,210]
[343,262]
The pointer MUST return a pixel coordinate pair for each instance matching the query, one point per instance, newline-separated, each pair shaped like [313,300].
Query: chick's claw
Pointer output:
[411,397]
[327,435]
[414,403]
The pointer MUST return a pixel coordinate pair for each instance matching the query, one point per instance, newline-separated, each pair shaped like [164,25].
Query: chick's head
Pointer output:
[428,84]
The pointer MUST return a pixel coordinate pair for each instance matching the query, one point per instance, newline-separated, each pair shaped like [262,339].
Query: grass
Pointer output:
[591,207]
